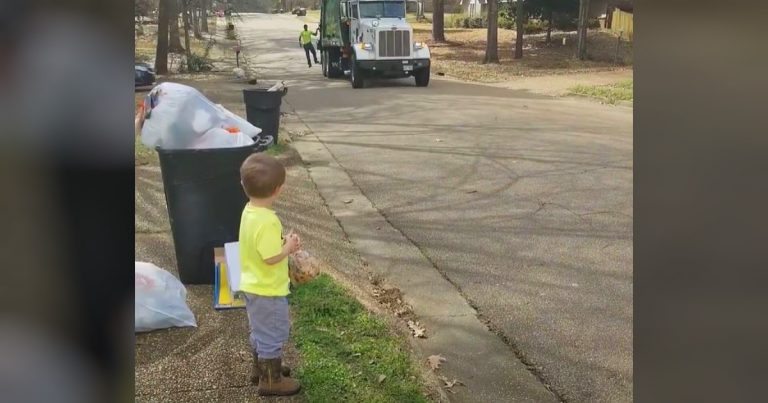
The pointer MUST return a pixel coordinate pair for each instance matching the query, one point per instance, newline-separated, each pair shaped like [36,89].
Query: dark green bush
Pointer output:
[565,22]
[534,27]
[469,22]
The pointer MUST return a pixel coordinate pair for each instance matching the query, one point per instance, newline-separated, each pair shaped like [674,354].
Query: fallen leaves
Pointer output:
[417,329]
[434,361]
[402,311]
[449,384]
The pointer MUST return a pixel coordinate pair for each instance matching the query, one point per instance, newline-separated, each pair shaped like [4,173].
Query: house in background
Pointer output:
[474,8]
[617,14]
[451,6]
[477,8]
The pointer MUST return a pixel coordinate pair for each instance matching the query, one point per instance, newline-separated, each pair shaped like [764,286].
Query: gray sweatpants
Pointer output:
[270,324]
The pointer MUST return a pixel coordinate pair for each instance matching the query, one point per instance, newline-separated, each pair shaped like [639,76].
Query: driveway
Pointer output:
[523,201]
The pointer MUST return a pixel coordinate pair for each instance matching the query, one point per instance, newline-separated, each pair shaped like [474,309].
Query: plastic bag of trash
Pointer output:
[160,300]
[303,267]
[178,117]
[222,138]
[233,120]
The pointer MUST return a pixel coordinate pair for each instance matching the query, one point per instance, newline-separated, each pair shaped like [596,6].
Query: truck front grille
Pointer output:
[394,43]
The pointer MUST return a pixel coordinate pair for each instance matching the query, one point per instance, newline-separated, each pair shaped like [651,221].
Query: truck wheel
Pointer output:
[324,61]
[422,77]
[356,76]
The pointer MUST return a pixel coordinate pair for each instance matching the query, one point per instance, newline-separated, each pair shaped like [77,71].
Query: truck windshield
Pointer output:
[382,9]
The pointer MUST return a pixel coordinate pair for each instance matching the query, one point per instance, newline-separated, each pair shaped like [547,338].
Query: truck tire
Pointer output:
[422,77]
[356,76]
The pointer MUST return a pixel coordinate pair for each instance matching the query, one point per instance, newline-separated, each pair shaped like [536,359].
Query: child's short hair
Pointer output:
[261,175]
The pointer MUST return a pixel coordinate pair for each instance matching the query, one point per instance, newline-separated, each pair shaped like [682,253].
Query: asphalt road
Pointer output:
[524,202]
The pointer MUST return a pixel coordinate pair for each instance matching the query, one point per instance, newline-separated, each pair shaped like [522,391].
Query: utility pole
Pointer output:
[581,50]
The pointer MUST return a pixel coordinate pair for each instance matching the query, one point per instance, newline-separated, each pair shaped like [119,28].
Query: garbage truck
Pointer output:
[370,38]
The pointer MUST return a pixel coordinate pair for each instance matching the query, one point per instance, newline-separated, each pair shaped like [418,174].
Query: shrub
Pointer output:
[196,64]
[565,22]
[469,22]
[534,27]
[506,16]
[455,21]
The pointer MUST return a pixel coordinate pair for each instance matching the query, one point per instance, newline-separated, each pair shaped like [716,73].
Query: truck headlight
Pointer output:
[366,46]
[419,45]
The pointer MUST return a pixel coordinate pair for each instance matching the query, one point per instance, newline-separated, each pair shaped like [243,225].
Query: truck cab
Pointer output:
[373,39]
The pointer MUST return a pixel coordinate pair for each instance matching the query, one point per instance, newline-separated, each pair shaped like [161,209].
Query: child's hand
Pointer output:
[292,242]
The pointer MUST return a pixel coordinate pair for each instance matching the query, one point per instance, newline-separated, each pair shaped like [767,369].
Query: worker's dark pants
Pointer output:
[309,48]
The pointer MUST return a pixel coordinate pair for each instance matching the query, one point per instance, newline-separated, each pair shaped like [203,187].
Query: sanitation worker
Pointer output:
[305,40]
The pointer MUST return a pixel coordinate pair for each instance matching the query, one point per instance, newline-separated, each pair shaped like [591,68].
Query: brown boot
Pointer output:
[272,382]
[256,371]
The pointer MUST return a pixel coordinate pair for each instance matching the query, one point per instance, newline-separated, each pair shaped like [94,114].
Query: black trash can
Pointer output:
[205,201]
[262,109]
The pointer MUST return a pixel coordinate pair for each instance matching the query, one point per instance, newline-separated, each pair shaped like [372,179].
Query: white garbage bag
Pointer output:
[221,138]
[160,300]
[242,124]
[178,116]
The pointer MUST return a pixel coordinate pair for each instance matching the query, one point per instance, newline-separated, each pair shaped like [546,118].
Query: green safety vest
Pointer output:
[306,37]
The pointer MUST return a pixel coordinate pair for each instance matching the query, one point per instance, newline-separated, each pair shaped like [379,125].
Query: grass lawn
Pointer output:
[462,55]
[611,94]
[348,354]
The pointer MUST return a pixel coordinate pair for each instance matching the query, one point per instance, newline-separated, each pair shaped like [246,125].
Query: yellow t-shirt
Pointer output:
[306,37]
[261,237]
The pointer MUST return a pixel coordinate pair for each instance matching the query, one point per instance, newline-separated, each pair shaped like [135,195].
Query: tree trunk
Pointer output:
[161,53]
[185,16]
[195,14]
[549,27]
[438,21]
[492,44]
[519,28]
[173,18]
[204,15]
[581,50]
